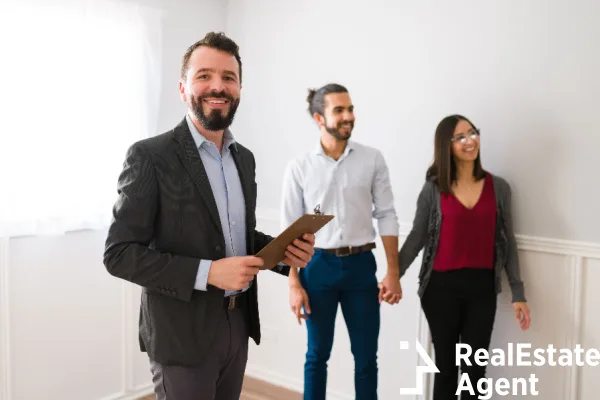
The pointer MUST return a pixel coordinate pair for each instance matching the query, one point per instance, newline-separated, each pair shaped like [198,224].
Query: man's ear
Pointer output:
[182,92]
[319,119]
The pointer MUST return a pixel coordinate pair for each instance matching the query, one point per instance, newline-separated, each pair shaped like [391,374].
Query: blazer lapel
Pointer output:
[244,165]
[190,158]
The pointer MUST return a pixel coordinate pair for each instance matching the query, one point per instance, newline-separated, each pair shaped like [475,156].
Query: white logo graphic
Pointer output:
[519,355]
[430,368]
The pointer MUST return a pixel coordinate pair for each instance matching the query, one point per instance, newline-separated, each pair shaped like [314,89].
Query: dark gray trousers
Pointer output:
[221,375]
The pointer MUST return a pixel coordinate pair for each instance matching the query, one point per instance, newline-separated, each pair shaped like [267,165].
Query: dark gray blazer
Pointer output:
[425,234]
[165,221]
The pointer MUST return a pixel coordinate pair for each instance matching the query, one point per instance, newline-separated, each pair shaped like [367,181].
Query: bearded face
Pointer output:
[215,111]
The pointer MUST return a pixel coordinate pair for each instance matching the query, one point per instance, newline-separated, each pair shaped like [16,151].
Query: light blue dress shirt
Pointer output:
[227,190]
[355,189]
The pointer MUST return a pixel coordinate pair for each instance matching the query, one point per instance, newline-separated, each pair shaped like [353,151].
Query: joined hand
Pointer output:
[390,289]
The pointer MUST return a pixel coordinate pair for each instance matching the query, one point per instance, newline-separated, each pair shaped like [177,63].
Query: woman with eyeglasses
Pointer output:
[464,224]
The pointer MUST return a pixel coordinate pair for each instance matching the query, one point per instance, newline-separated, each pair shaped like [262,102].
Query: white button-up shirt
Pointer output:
[355,189]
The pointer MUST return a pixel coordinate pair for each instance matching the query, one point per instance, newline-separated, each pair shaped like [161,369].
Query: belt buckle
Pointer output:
[345,254]
[231,304]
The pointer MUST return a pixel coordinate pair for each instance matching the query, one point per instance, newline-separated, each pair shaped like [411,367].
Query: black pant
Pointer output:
[221,376]
[460,307]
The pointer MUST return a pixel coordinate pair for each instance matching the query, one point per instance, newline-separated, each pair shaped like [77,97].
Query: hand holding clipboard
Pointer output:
[273,253]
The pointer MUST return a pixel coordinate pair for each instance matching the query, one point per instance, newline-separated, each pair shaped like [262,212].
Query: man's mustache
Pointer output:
[216,95]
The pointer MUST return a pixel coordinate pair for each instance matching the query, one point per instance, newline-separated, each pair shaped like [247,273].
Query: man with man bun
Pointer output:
[350,181]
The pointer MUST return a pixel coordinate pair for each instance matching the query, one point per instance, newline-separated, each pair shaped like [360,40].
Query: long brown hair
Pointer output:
[443,169]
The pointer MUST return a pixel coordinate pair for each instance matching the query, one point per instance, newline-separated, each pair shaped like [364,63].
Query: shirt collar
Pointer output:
[199,139]
[319,148]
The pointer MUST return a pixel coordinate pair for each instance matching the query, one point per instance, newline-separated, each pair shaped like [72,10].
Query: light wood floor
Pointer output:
[255,389]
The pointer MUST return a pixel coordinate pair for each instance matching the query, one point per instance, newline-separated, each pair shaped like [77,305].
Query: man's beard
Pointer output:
[335,132]
[215,121]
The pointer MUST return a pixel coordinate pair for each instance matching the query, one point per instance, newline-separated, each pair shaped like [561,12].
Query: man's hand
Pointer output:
[234,273]
[390,290]
[522,315]
[300,252]
[299,299]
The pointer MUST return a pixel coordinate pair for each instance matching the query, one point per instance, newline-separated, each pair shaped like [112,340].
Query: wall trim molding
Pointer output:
[425,339]
[127,335]
[574,335]
[5,356]
[524,242]
[559,246]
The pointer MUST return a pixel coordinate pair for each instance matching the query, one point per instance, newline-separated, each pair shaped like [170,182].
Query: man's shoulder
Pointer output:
[363,147]
[301,160]
[153,144]
[243,149]
[366,150]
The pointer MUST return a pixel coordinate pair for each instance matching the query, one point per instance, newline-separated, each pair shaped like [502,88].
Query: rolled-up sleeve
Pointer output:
[383,199]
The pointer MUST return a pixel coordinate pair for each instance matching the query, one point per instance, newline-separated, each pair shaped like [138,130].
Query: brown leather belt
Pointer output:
[235,301]
[347,251]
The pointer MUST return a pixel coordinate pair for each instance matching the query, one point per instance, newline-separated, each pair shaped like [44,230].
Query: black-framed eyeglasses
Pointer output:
[473,134]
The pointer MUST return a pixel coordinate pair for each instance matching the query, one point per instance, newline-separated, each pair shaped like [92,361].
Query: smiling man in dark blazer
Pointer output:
[184,229]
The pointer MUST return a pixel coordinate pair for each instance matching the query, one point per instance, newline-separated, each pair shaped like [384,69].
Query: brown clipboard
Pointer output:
[273,253]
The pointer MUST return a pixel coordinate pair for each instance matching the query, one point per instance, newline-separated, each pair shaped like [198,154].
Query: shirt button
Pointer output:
[218,247]
[233,223]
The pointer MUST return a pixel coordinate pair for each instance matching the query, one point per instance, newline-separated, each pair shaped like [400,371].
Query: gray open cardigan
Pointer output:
[425,234]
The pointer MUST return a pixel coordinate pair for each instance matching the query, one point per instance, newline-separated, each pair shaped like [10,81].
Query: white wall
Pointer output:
[525,72]
[68,330]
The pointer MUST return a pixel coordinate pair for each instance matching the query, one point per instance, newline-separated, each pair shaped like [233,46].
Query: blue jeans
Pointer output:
[350,281]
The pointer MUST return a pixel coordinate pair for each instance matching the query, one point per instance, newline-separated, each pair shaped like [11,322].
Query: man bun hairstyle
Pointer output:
[316,97]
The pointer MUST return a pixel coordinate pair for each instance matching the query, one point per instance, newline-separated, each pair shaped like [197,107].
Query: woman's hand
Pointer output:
[522,314]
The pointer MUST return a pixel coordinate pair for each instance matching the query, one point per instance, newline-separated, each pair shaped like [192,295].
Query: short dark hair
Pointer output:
[316,97]
[214,40]
[443,169]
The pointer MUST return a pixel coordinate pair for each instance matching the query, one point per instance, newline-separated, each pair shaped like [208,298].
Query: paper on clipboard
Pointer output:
[273,253]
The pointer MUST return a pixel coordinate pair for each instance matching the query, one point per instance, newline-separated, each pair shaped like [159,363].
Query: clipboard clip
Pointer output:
[317,209]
